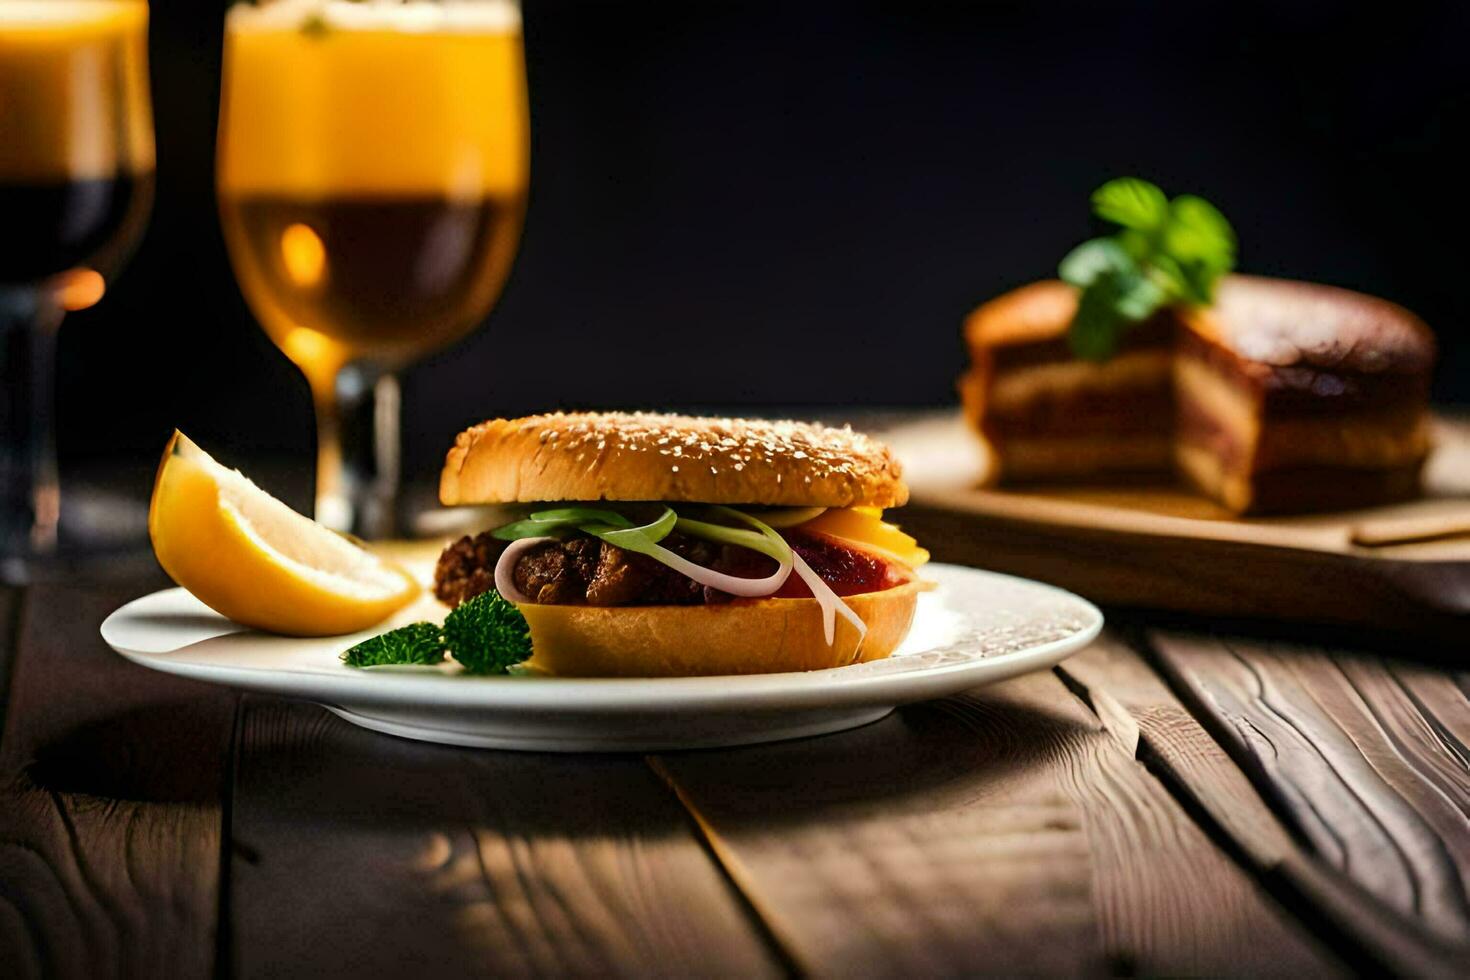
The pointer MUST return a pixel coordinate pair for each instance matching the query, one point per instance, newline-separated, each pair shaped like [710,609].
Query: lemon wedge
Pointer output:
[251,558]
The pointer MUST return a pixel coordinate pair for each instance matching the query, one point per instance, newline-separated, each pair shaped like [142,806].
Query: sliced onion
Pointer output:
[505,582]
[748,588]
[638,540]
[831,604]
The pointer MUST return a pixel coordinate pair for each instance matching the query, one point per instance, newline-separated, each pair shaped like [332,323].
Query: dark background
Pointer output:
[797,203]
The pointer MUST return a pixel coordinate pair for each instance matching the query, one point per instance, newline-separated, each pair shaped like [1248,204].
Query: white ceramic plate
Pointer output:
[975,628]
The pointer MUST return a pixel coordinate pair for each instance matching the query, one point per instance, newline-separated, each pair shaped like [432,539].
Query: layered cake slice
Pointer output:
[1282,396]
[1293,396]
[1046,415]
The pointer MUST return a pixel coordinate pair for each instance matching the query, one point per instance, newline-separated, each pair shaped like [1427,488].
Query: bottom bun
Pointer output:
[767,636]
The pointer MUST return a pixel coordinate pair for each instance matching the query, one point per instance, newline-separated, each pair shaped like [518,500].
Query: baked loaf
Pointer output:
[643,456]
[1283,396]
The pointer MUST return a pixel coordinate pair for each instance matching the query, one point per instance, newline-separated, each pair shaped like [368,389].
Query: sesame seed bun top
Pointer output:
[589,456]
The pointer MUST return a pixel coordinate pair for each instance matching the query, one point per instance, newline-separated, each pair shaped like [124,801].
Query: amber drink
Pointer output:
[372,178]
[76,185]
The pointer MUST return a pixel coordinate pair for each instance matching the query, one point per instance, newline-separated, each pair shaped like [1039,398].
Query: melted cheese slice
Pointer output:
[865,529]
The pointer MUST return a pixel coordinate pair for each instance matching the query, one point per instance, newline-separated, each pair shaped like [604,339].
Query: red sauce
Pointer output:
[847,570]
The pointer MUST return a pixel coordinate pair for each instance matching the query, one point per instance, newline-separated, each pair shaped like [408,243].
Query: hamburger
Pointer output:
[666,545]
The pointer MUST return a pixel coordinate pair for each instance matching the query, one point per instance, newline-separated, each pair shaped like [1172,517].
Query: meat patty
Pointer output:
[585,571]
[467,568]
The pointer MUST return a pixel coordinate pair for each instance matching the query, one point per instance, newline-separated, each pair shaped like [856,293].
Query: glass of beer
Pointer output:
[76,186]
[372,170]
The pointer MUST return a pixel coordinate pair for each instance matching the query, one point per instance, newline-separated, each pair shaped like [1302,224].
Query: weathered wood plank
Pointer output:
[1137,707]
[363,854]
[1444,703]
[1360,757]
[1001,831]
[1415,753]
[110,785]
[1144,715]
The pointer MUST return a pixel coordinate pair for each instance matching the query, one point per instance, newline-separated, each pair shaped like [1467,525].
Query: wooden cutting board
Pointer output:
[1404,567]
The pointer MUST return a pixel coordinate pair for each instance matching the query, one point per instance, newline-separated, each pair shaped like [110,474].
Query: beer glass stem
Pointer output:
[31,497]
[358,452]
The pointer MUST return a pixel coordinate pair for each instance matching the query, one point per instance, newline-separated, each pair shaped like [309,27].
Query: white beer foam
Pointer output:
[406,16]
[48,14]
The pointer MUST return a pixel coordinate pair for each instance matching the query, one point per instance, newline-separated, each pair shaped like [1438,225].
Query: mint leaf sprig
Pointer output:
[486,635]
[1166,252]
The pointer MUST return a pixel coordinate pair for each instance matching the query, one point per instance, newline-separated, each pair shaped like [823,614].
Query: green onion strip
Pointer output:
[544,523]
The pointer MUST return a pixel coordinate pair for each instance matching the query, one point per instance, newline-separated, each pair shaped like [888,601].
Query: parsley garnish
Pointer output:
[1166,252]
[486,635]
[417,643]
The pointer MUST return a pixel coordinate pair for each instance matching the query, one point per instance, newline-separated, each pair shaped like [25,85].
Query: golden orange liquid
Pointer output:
[76,136]
[372,172]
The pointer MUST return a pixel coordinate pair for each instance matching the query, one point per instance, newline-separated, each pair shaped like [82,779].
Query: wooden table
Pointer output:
[1171,801]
